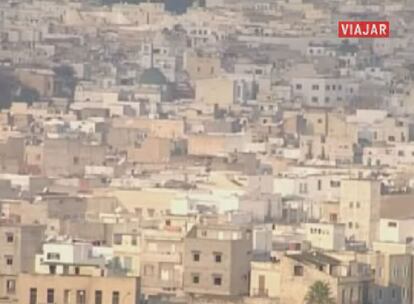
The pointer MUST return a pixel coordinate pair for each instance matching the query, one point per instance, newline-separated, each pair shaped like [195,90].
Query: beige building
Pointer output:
[64,156]
[326,236]
[360,209]
[127,248]
[18,246]
[37,289]
[348,281]
[218,144]
[161,260]
[393,264]
[199,66]
[265,279]
[151,150]
[220,91]
[217,260]
[11,153]
[162,128]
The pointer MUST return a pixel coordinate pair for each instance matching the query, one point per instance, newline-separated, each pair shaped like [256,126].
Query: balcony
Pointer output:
[261,293]
[165,257]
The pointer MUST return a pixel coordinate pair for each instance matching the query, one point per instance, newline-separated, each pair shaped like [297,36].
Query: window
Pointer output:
[217,280]
[358,204]
[217,257]
[66,296]
[319,185]
[9,237]
[335,184]
[298,86]
[80,297]
[52,269]
[33,296]
[98,296]
[327,99]
[53,256]
[117,239]
[134,241]
[9,260]
[315,87]
[165,274]
[138,211]
[401,153]
[395,272]
[148,270]
[77,270]
[315,99]
[350,225]
[11,286]
[76,160]
[351,205]
[392,224]
[115,297]
[298,271]
[327,87]
[50,298]
[196,256]
[151,212]
[128,263]
[196,278]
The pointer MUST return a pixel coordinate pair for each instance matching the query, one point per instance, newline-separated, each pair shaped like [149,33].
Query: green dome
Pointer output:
[153,76]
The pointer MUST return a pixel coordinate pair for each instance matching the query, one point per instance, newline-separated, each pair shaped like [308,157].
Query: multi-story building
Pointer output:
[360,209]
[161,260]
[349,281]
[18,246]
[65,289]
[73,258]
[393,264]
[127,248]
[217,260]
[326,236]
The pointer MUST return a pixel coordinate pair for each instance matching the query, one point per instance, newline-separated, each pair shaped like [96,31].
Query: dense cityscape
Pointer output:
[206,151]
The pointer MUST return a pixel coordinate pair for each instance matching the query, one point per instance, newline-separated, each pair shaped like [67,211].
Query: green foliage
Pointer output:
[8,86]
[319,293]
[65,81]
[27,95]
[11,89]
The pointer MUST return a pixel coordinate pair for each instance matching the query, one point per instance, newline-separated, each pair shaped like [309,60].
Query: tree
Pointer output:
[27,95]
[8,86]
[319,293]
[65,81]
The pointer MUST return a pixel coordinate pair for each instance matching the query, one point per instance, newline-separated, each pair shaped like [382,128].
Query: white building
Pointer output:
[326,236]
[396,230]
